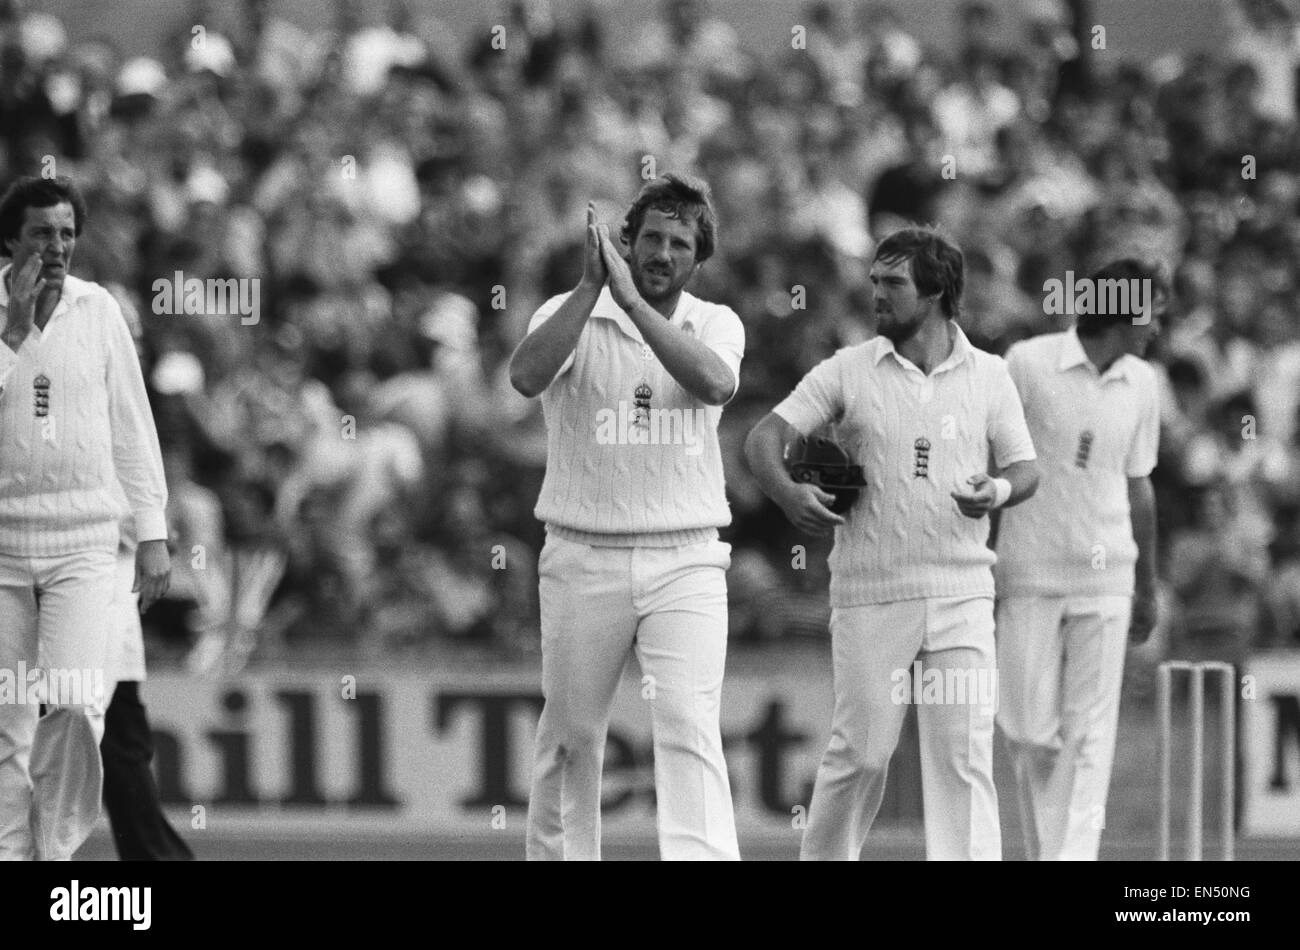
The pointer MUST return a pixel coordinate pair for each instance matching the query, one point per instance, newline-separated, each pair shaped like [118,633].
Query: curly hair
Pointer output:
[680,197]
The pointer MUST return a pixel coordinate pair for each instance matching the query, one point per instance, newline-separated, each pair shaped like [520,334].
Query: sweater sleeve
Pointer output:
[137,458]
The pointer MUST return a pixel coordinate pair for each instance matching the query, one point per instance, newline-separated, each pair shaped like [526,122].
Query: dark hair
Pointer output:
[680,197]
[32,192]
[1125,269]
[937,264]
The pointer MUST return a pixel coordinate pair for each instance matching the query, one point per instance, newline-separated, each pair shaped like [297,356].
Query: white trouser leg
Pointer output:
[587,630]
[1030,655]
[869,645]
[77,593]
[1096,638]
[66,773]
[681,644]
[18,651]
[961,802]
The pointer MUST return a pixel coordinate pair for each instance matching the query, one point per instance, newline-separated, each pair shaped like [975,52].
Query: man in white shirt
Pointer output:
[1076,565]
[74,417]
[633,377]
[921,410]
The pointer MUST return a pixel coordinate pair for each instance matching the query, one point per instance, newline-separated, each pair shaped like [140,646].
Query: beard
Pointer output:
[663,288]
[896,330]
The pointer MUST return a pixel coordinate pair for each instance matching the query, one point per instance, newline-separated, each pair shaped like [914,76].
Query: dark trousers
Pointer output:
[140,830]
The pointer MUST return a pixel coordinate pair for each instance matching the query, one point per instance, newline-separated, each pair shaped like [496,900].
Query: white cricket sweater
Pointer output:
[1093,433]
[918,438]
[60,455]
[633,458]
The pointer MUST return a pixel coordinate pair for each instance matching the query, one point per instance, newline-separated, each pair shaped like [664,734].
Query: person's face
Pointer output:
[1139,337]
[49,234]
[900,308]
[663,256]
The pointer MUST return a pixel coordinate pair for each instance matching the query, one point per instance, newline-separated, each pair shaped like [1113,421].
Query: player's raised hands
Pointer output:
[808,508]
[621,284]
[593,261]
[980,500]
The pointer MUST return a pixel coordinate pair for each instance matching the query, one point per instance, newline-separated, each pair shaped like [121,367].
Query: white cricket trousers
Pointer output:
[670,605]
[1062,663]
[874,649]
[54,615]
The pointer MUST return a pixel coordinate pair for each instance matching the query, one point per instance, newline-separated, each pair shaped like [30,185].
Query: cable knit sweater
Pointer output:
[74,416]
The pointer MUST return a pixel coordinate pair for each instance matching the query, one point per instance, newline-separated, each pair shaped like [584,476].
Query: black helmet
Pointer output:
[821,462]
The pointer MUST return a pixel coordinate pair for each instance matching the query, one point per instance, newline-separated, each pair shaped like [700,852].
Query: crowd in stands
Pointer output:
[354,470]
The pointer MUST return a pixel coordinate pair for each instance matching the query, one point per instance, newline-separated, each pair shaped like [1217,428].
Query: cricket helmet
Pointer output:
[820,461]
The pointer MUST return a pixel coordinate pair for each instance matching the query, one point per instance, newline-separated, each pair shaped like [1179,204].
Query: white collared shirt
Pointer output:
[601,478]
[1094,431]
[74,419]
[918,438]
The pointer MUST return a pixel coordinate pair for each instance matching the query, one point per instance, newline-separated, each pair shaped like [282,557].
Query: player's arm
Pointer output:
[1023,477]
[137,459]
[541,354]
[1014,477]
[1142,514]
[817,400]
[693,364]
[1005,488]
[807,506]
[1141,460]
[995,516]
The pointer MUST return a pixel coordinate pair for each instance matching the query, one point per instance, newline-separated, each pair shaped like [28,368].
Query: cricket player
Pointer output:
[633,372]
[911,588]
[74,417]
[1076,565]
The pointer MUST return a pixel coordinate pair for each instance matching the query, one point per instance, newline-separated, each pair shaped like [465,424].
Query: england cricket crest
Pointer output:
[921,463]
[1084,450]
[641,406]
[41,391]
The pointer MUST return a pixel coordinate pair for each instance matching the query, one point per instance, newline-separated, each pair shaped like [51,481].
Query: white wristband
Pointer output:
[1001,492]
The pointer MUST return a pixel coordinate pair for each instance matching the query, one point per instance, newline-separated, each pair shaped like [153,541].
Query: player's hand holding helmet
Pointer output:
[826,484]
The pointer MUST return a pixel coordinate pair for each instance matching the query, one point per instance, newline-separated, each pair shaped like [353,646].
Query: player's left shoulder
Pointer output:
[1143,373]
[704,316]
[78,290]
[987,365]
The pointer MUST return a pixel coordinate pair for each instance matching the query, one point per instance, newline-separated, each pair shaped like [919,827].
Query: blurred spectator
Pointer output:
[1218,571]
[1264,33]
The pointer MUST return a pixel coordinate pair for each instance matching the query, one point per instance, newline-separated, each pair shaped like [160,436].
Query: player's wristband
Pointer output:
[1001,492]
